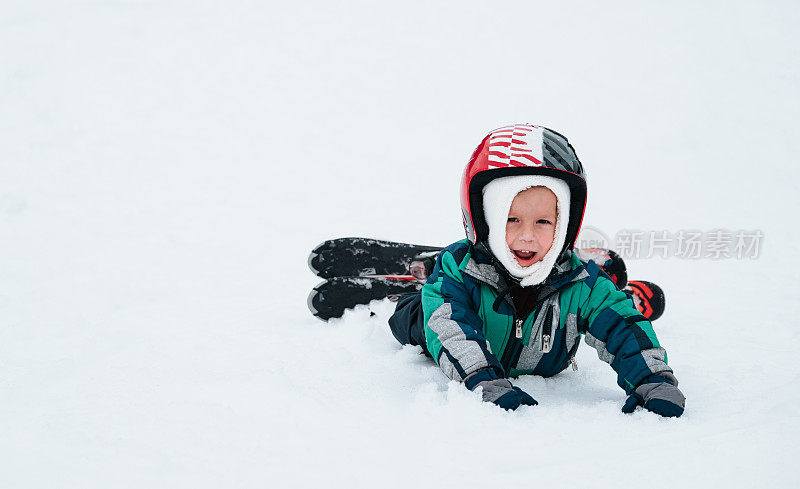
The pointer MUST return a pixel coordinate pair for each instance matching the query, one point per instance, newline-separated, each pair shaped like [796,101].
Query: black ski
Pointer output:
[359,270]
[330,298]
[347,257]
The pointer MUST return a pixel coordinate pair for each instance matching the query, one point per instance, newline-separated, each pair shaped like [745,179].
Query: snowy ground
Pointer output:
[165,167]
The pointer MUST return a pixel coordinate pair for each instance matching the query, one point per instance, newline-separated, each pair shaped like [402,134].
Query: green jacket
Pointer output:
[468,329]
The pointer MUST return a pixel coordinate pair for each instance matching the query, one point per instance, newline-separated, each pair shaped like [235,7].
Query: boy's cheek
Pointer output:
[509,238]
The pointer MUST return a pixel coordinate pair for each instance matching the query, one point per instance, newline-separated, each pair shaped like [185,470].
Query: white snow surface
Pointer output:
[165,168]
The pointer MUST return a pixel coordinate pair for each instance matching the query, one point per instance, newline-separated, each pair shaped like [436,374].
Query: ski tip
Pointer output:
[650,297]
[310,304]
[311,257]
[320,246]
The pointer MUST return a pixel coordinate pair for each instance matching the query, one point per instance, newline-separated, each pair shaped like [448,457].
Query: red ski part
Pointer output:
[648,298]
[392,277]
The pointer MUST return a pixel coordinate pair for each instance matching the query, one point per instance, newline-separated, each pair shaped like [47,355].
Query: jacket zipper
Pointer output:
[514,346]
[547,331]
[574,363]
[571,355]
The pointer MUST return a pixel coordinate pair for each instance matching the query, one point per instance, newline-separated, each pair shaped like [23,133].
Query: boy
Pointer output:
[513,298]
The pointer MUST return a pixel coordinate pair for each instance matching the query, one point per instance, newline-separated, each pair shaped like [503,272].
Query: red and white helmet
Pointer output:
[521,149]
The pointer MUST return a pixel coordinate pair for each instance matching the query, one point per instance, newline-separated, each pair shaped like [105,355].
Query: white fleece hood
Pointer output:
[497,198]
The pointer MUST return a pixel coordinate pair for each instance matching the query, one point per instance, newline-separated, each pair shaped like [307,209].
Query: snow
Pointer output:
[165,168]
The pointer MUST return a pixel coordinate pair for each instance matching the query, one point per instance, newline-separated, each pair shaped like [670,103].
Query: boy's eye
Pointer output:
[543,221]
[513,219]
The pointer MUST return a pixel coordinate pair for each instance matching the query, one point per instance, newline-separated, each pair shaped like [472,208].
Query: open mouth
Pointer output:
[524,256]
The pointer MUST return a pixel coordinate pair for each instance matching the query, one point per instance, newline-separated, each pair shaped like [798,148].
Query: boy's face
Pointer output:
[531,225]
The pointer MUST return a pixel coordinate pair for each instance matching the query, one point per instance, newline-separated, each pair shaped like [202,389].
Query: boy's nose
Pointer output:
[528,235]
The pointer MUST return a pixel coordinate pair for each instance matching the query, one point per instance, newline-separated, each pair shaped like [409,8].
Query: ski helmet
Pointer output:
[521,149]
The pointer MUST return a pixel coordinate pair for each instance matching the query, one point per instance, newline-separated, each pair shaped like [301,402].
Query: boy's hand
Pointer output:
[499,391]
[659,394]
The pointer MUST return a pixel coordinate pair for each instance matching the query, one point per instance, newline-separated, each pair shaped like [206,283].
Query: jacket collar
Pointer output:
[481,266]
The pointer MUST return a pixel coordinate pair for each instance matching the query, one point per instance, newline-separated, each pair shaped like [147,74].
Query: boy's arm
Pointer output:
[452,325]
[626,340]
[454,339]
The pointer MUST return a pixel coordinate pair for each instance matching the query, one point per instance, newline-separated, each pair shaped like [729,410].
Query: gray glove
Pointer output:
[659,394]
[499,391]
